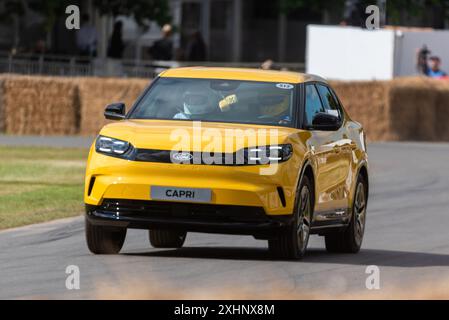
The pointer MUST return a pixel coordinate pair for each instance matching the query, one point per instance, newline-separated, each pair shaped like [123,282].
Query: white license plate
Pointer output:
[180,194]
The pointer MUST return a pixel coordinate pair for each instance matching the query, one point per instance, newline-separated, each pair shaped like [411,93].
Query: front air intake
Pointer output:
[281,196]
[91,186]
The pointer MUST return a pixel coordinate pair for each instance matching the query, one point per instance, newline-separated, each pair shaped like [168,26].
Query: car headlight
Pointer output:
[113,147]
[268,154]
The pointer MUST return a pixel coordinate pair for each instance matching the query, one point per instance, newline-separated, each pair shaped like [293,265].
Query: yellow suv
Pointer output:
[237,151]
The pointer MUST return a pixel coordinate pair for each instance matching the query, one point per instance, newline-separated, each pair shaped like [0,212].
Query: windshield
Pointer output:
[218,100]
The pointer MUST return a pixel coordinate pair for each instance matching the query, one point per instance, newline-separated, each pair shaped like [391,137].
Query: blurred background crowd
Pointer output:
[141,37]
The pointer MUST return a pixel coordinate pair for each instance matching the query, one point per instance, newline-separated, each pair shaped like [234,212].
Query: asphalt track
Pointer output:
[406,237]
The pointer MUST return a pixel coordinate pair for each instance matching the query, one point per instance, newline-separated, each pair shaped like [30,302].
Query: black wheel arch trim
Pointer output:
[364,165]
[307,163]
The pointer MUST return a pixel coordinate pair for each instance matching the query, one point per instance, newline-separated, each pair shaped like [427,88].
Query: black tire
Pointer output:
[292,243]
[350,240]
[167,238]
[104,240]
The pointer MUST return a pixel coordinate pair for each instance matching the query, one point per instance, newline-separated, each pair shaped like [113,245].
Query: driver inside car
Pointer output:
[196,102]
[275,106]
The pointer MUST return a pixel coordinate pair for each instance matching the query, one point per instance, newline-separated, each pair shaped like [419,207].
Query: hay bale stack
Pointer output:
[40,105]
[412,108]
[402,109]
[367,103]
[96,93]
[2,109]
[442,110]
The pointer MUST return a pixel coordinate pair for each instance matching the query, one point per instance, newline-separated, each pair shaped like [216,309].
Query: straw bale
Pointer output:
[2,109]
[96,93]
[442,111]
[412,104]
[366,102]
[37,105]
[413,108]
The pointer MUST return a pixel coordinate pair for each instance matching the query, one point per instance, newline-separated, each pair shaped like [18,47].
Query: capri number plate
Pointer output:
[180,194]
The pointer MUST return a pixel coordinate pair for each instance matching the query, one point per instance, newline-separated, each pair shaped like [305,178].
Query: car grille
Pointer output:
[164,209]
[164,156]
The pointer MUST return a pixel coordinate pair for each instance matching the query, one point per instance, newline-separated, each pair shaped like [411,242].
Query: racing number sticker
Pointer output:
[286,86]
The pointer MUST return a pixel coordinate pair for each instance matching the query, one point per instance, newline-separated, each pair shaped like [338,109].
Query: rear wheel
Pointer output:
[104,240]
[350,240]
[167,238]
[292,244]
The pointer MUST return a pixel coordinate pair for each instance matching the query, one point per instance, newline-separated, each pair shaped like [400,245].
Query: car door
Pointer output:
[322,145]
[342,146]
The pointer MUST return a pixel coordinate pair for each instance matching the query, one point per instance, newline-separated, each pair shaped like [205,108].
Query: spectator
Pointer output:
[86,38]
[162,49]
[421,60]
[429,67]
[267,65]
[196,48]
[434,70]
[354,14]
[40,47]
[116,45]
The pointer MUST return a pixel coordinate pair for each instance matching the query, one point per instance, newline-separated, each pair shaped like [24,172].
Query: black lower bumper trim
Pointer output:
[186,217]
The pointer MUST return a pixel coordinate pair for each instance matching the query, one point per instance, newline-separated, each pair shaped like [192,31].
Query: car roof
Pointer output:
[240,74]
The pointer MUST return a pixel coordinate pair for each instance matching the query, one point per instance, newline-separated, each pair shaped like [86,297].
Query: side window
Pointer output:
[313,104]
[330,102]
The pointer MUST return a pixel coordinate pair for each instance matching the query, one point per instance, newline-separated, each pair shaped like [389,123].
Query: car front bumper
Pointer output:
[246,186]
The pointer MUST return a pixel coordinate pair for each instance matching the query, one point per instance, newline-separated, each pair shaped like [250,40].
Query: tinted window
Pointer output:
[313,104]
[218,100]
[329,101]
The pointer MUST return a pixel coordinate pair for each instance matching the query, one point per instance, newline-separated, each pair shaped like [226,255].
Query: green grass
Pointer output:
[40,184]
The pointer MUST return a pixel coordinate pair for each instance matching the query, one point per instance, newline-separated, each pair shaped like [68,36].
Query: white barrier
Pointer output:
[350,53]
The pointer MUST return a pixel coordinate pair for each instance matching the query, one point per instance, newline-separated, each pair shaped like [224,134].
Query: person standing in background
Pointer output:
[421,60]
[353,14]
[196,48]
[86,38]
[162,49]
[434,70]
[267,65]
[430,67]
[116,45]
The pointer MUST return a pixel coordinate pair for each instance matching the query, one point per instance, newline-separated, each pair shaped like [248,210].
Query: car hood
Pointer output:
[195,135]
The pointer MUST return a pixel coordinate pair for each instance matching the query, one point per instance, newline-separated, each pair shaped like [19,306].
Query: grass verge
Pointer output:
[40,184]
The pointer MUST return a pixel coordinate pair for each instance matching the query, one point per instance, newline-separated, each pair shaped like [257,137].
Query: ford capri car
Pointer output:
[235,151]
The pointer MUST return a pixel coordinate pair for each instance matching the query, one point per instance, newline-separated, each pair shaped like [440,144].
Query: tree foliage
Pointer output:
[141,10]
[10,8]
[414,8]
[314,5]
[155,10]
[395,8]
[51,9]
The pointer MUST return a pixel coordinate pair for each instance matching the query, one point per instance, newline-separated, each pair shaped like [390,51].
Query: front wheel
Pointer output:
[293,243]
[350,240]
[104,240]
[167,238]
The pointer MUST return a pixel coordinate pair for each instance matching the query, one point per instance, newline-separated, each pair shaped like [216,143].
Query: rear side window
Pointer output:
[330,102]
[313,104]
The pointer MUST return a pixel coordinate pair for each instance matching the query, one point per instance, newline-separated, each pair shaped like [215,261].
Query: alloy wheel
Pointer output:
[304,217]
[359,212]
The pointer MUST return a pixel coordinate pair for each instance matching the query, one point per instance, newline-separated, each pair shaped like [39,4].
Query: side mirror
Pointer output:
[326,122]
[115,111]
